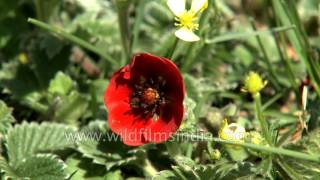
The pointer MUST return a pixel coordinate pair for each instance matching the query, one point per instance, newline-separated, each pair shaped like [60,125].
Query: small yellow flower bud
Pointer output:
[253,83]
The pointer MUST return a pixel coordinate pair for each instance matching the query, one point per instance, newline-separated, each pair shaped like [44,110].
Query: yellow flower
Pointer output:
[232,132]
[253,83]
[187,19]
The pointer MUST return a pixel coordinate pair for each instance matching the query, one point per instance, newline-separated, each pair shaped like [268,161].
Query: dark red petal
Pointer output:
[131,126]
[120,119]
[166,125]
[152,67]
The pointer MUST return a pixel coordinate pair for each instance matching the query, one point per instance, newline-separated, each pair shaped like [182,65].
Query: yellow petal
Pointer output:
[177,6]
[186,35]
[199,5]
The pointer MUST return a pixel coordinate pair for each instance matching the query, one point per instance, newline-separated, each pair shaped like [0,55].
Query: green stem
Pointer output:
[266,149]
[148,169]
[266,58]
[137,24]
[262,121]
[172,49]
[123,19]
[39,10]
[273,100]
[195,46]
[189,150]
[286,61]
[73,39]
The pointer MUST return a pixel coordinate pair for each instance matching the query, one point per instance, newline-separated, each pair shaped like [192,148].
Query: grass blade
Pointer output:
[73,39]
[243,35]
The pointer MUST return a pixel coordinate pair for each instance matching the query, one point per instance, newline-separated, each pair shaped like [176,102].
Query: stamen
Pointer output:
[148,97]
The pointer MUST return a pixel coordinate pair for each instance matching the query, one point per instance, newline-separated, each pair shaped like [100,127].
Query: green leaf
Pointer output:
[83,168]
[51,45]
[5,118]
[240,35]
[114,175]
[18,79]
[74,39]
[165,175]
[41,167]
[61,84]
[36,167]
[5,168]
[71,108]
[28,139]
[104,147]
[311,145]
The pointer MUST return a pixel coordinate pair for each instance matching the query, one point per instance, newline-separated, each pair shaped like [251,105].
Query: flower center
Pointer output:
[187,19]
[150,96]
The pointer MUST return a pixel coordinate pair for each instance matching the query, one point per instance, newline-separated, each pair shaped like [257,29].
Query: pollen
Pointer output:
[187,19]
[150,96]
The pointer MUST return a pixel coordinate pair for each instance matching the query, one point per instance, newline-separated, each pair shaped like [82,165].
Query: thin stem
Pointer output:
[266,149]
[189,150]
[39,10]
[137,23]
[148,169]
[266,58]
[195,46]
[262,121]
[172,49]
[273,100]
[73,39]
[123,19]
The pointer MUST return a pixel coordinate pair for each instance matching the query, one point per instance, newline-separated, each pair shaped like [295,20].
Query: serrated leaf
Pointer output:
[104,147]
[71,108]
[41,167]
[309,144]
[28,139]
[36,167]
[83,168]
[5,168]
[5,119]
[219,171]
[61,84]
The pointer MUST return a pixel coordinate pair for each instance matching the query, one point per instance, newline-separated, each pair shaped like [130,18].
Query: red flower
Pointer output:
[145,100]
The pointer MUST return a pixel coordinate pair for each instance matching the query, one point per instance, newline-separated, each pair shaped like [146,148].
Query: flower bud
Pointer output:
[253,83]
[215,154]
